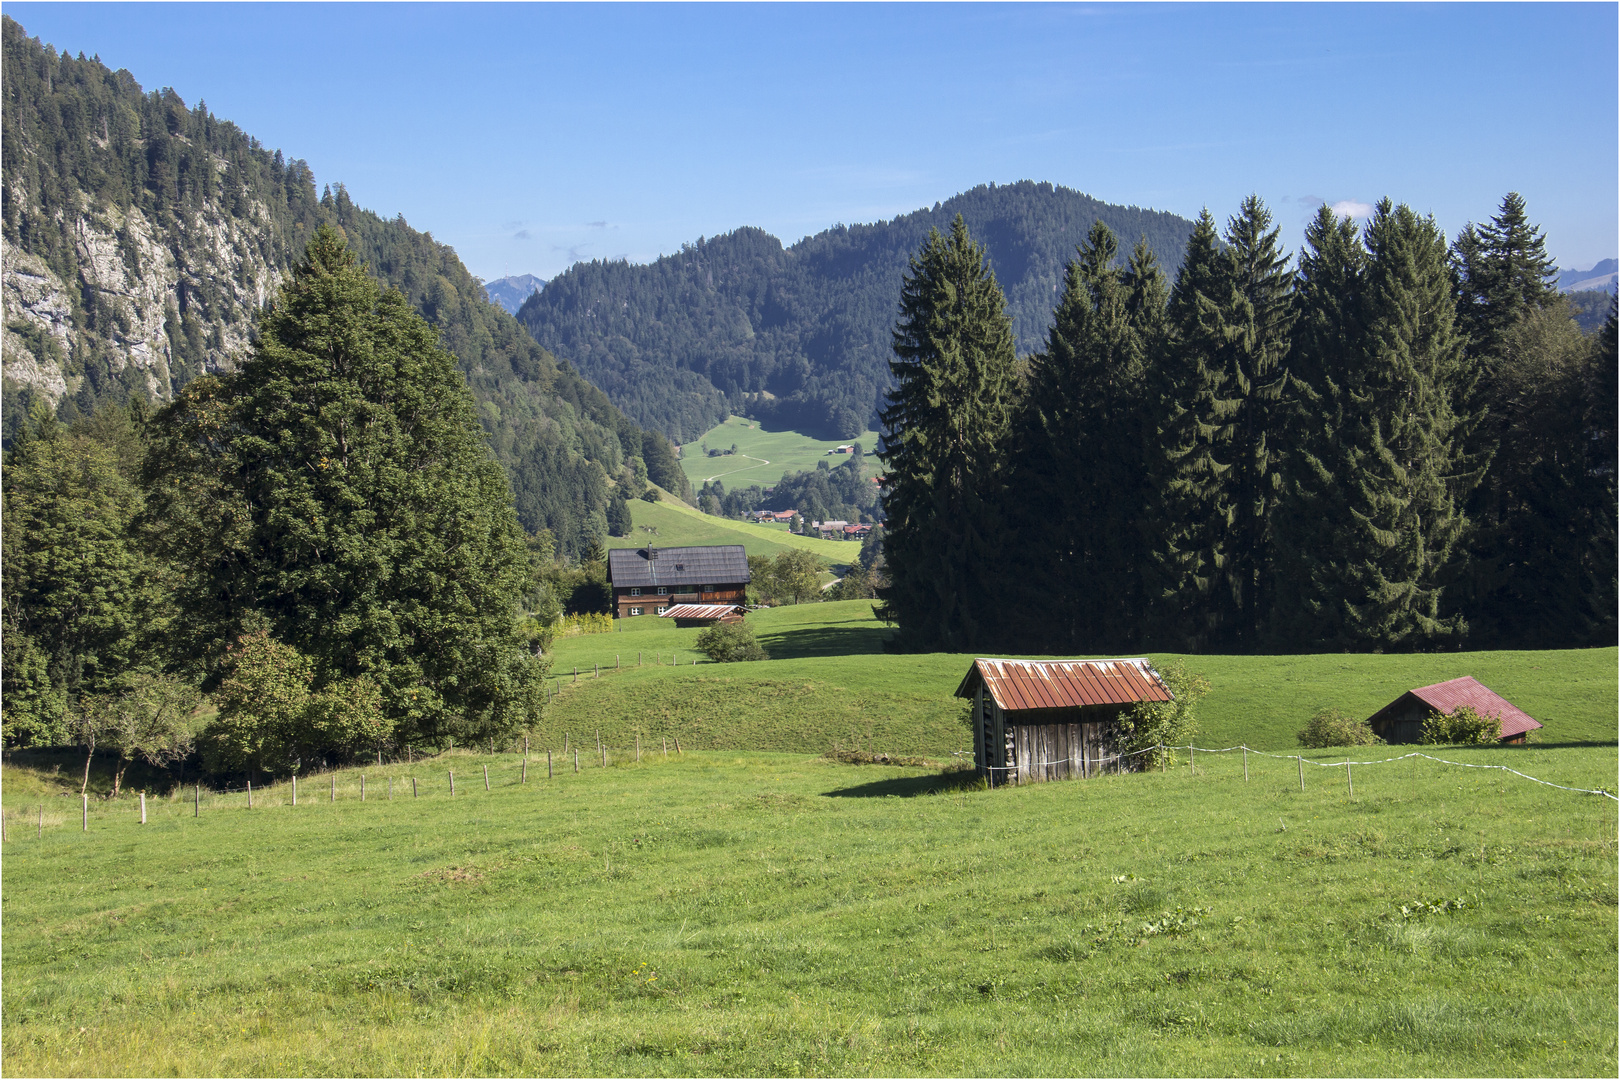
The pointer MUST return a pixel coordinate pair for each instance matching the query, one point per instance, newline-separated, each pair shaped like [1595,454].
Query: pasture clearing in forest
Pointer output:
[746,913]
[784,451]
[671,523]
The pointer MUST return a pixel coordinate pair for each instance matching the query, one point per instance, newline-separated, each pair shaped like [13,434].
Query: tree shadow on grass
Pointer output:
[825,641]
[908,787]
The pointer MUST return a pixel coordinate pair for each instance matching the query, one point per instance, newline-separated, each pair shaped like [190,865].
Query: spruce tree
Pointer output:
[1503,271]
[338,492]
[1231,315]
[944,443]
[1079,475]
[1191,512]
[1405,475]
[1324,358]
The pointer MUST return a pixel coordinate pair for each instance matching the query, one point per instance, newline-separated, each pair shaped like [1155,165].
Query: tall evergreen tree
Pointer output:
[1324,358]
[1191,512]
[1078,490]
[944,442]
[1503,271]
[1405,476]
[338,491]
[1231,314]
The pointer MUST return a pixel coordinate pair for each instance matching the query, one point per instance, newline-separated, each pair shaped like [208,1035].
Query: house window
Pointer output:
[662,609]
[635,611]
[635,592]
[662,590]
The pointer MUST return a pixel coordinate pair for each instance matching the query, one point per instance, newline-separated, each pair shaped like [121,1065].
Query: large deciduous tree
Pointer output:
[944,444]
[338,492]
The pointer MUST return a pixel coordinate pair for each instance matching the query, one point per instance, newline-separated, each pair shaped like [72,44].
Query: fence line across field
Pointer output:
[1303,760]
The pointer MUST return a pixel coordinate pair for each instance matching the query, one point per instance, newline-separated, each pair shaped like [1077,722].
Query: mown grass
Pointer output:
[829,680]
[672,523]
[745,913]
[784,451]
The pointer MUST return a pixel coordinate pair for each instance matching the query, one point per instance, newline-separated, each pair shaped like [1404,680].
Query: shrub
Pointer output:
[726,642]
[1152,724]
[1333,727]
[1462,725]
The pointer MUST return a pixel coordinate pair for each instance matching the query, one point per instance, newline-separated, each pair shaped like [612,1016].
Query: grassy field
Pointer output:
[672,523]
[746,914]
[829,680]
[762,456]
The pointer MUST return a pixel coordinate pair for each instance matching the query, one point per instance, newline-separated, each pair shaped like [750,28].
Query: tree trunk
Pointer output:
[85,787]
[118,776]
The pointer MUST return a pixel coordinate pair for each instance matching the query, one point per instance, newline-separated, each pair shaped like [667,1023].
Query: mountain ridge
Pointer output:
[799,335]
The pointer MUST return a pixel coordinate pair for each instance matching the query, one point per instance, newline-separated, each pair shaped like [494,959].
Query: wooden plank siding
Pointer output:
[1073,744]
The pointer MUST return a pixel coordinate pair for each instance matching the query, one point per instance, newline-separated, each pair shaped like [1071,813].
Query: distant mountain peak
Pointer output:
[1600,278]
[510,291]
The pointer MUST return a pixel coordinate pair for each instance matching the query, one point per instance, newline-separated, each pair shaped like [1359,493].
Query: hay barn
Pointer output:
[1401,721]
[1036,720]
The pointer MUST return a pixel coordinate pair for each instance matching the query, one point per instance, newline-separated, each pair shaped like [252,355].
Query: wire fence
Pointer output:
[1102,761]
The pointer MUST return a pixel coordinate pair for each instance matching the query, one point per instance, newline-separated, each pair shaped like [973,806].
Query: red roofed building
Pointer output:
[1401,721]
[1053,719]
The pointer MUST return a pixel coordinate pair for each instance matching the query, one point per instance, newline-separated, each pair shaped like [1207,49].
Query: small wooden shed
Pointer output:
[1401,721]
[1036,720]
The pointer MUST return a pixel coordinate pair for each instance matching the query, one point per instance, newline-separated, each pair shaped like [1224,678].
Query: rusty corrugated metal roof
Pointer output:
[1020,685]
[1447,696]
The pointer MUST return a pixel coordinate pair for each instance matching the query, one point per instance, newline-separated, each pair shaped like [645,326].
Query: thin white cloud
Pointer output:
[1351,209]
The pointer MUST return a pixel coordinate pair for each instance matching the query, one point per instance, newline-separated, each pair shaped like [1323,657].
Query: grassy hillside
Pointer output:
[750,914]
[762,456]
[672,523]
[829,679]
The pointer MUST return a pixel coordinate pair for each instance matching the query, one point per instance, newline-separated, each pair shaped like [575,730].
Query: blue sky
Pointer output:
[529,136]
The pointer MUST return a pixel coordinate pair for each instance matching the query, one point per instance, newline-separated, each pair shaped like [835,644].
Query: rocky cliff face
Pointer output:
[174,302]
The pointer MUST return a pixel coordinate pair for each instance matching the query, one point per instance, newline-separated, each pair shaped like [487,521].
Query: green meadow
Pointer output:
[747,906]
[671,523]
[762,456]
[748,913]
[829,681]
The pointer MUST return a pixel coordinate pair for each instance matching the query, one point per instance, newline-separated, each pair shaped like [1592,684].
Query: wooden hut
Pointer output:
[1036,720]
[1401,721]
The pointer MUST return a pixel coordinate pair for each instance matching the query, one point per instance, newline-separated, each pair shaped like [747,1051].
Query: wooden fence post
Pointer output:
[1190,768]
[576,760]
[390,789]
[638,748]
[331,794]
[576,673]
[250,794]
[86,825]
[596,671]
[1301,759]
[1245,764]
[1349,781]
[143,808]
[615,661]
[413,787]
[548,763]
[362,787]
[452,773]
[1164,759]
[604,754]
[196,801]
[486,777]
[295,789]
[524,778]
[666,747]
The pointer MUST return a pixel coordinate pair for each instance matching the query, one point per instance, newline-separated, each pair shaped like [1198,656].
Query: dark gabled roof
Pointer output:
[723,564]
[1028,685]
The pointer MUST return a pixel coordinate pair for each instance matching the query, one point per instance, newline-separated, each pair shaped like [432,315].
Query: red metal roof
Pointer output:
[1445,697]
[702,611]
[1018,685]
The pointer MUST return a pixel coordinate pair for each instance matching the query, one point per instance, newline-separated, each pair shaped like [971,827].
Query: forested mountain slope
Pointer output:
[142,236]
[801,334]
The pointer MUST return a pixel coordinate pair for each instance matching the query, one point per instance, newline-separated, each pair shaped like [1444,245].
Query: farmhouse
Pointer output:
[704,614]
[1037,720]
[1401,721]
[649,580]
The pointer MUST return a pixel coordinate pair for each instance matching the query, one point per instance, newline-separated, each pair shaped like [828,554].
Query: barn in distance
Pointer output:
[651,580]
[1036,720]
